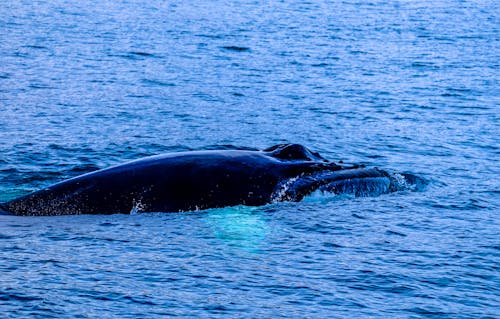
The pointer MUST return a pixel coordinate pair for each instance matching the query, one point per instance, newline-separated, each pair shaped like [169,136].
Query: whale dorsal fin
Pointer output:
[293,152]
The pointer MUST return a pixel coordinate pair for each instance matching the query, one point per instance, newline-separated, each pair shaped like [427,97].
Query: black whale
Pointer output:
[187,181]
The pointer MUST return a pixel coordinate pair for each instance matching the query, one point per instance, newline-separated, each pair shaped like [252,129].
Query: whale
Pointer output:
[198,180]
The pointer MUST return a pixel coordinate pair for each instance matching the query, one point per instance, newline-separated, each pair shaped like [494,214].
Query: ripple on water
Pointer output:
[409,87]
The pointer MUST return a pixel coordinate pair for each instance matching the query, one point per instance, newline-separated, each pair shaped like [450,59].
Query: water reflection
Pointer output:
[240,226]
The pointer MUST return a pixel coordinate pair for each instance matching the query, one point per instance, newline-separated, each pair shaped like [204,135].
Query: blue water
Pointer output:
[410,86]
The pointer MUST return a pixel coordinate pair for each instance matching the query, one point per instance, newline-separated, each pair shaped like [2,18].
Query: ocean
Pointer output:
[407,86]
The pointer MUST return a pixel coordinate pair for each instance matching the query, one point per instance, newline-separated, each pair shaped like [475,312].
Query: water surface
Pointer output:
[410,86]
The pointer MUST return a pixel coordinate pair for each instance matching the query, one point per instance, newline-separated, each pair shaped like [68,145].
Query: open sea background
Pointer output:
[409,86]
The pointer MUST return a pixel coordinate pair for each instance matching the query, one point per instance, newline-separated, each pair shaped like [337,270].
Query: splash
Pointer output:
[137,208]
[281,192]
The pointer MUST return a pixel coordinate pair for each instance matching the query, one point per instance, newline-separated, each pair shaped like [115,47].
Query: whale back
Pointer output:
[170,182]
